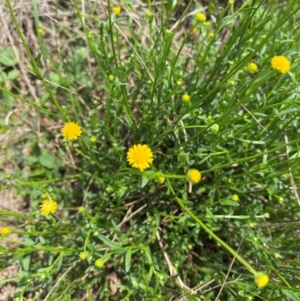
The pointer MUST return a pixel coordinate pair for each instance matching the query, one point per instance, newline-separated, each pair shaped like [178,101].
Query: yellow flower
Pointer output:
[116,10]
[252,67]
[195,30]
[83,255]
[5,231]
[281,63]
[48,207]
[140,156]
[41,31]
[235,197]
[230,2]
[160,180]
[186,98]
[99,263]
[200,17]
[111,78]
[93,139]
[261,279]
[194,176]
[81,209]
[71,131]
[211,35]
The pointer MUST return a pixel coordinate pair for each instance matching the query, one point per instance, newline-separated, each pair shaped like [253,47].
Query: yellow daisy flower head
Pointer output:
[280,63]
[5,231]
[261,279]
[186,98]
[235,197]
[194,176]
[83,255]
[71,131]
[116,10]
[99,263]
[140,156]
[200,17]
[230,2]
[48,207]
[252,68]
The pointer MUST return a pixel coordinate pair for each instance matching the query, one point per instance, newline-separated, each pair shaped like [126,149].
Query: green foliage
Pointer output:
[123,83]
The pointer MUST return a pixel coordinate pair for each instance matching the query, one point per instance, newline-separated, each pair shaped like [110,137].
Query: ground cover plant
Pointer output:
[162,156]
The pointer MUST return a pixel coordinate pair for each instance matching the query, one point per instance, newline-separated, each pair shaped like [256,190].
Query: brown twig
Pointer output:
[171,267]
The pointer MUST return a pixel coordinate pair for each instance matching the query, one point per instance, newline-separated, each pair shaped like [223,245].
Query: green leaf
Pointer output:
[145,180]
[6,58]
[29,240]
[47,160]
[149,274]
[119,251]
[3,76]
[8,100]
[109,243]
[147,253]
[37,172]
[128,260]
[25,264]
[29,160]
[13,74]
[42,239]
[295,156]
[229,203]
[106,257]
[290,295]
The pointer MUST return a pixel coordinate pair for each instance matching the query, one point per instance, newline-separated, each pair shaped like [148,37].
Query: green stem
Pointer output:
[237,216]
[7,213]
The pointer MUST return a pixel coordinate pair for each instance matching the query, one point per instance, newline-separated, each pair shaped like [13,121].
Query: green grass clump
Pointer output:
[171,168]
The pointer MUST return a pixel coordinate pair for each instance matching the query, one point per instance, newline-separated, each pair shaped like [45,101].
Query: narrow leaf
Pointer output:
[128,260]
